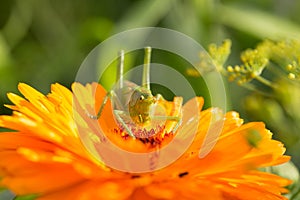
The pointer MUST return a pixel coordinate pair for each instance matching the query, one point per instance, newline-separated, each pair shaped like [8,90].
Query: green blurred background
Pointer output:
[45,41]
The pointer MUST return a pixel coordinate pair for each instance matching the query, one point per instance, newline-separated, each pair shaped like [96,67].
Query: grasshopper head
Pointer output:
[139,105]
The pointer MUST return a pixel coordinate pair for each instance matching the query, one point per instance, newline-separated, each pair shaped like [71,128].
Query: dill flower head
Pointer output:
[46,154]
[279,58]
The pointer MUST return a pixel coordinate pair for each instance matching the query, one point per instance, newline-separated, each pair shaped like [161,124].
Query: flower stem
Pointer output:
[266,82]
[253,88]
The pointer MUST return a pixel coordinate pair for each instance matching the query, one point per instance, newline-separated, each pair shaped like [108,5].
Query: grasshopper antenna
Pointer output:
[120,69]
[146,70]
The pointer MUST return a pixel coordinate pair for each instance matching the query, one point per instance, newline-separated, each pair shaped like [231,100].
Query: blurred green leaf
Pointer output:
[96,29]
[27,197]
[296,194]
[19,22]
[144,13]
[6,194]
[4,52]
[260,24]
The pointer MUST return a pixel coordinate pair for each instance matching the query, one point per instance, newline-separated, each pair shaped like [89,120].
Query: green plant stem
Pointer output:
[266,82]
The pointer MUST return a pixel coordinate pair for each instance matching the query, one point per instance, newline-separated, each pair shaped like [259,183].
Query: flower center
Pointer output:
[149,135]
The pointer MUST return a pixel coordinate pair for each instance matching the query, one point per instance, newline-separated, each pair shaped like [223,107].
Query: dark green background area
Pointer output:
[42,42]
[45,41]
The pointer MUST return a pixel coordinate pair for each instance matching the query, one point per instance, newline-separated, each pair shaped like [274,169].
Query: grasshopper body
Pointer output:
[132,103]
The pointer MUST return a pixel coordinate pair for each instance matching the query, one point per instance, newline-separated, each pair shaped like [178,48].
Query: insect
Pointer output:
[134,105]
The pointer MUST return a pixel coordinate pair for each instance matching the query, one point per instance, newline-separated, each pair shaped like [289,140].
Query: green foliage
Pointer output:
[6,194]
[26,197]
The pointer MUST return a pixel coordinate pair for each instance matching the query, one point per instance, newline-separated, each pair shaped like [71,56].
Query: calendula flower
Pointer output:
[46,155]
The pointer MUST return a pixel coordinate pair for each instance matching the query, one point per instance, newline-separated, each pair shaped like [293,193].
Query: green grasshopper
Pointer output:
[134,101]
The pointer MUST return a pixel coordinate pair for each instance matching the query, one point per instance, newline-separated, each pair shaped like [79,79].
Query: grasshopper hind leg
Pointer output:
[117,113]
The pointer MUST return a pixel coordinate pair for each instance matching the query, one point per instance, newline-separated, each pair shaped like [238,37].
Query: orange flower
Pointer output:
[47,154]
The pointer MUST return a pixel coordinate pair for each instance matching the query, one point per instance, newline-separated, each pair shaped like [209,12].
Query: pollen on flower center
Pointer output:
[144,131]
[152,136]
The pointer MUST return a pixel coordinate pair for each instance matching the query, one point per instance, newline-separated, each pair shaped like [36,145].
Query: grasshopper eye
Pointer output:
[142,97]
